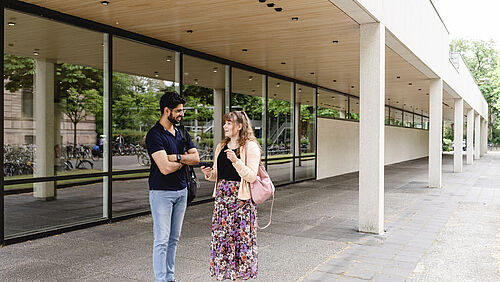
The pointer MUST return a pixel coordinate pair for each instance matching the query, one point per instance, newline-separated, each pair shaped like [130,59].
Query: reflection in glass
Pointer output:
[305,143]
[387,119]
[396,117]
[53,99]
[248,94]
[204,87]
[141,74]
[408,119]
[354,108]
[78,200]
[331,104]
[280,130]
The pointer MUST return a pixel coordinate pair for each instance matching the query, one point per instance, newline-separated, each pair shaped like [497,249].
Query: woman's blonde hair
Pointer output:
[246,132]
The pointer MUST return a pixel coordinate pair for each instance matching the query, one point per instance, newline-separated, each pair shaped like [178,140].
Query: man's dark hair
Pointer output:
[171,99]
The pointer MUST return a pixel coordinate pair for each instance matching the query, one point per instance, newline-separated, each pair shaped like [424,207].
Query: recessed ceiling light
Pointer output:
[156,74]
[397,102]
[278,9]
[307,101]
[262,1]
[311,73]
[11,44]
[250,77]
[335,42]
[334,80]
[388,99]
[295,18]
[283,63]
[253,90]
[196,81]
[11,23]
[352,86]
[333,97]
[270,4]
[215,69]
[427,94]
[189,31]
[117,23]
[420,89]
[278,84]
[36,52]
[398,77]
[105,3]
[168,59]
[410,83]
[300,90]
[244,50]
[275,94]
[186,73]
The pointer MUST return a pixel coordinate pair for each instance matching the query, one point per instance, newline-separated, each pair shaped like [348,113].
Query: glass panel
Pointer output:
[53,97]
[426,123]
[387,118]
[396,117]
[205,91]
[141,74]
[418,121]
[248,94]
[280,130]
[305,146]
[408,119]
[130,193]
[354,108]
[78,200]
[331,104]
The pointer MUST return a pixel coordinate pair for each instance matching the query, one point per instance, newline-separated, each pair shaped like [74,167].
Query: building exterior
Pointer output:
[333,87]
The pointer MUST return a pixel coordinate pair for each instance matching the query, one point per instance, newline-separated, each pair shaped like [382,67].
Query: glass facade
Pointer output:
[78,104]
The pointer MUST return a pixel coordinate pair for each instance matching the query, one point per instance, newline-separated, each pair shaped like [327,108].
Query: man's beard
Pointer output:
[172,119]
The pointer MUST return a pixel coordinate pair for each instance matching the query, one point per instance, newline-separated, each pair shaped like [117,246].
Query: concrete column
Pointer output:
[371,128]
[177,72]
[477,136]
[484,137]
[458,134]
[44,128]
[435,132]
[219,99]
[227,89]
[106,122]
[470,136]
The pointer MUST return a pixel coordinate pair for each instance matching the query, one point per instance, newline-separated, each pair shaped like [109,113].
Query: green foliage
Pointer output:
[328,112]
[446,144]
[483,61]
[131,136]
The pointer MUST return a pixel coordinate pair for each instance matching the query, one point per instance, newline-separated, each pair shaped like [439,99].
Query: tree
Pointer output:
[78,88]
[483,61]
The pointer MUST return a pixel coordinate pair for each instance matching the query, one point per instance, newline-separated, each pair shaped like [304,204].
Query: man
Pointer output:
[167,183]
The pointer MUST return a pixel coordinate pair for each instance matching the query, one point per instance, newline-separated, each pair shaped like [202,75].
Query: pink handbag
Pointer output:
[262,188]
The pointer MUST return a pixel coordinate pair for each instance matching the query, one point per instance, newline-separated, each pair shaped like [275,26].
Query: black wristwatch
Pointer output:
[178,158]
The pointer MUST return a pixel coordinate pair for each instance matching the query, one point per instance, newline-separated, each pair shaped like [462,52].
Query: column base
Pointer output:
[45,199]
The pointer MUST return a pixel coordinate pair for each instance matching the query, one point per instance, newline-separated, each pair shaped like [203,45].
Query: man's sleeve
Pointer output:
[153,143]
[190,143]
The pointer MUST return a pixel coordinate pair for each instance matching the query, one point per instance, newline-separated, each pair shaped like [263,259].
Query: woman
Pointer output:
[233,253]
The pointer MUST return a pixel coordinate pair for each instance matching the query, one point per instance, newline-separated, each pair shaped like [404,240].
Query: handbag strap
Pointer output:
[272,203]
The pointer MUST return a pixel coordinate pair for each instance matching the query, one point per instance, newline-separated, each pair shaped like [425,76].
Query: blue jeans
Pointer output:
[167,209]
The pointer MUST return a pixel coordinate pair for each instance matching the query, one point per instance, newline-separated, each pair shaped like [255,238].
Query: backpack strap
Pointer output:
[272,203]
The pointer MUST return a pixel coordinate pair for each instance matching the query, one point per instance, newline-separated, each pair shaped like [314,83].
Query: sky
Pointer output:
[471,19]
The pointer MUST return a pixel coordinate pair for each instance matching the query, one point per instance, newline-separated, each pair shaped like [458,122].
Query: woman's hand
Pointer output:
[231,155]
[207,171]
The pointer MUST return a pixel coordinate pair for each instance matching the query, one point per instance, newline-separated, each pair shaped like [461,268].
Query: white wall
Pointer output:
[338,146]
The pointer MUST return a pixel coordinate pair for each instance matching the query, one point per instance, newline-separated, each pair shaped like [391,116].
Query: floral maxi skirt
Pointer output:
[233,251]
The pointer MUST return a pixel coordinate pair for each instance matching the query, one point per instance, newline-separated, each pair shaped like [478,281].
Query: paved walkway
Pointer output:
[448,234]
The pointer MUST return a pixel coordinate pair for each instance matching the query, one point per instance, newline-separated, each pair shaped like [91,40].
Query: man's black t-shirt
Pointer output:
[159,139]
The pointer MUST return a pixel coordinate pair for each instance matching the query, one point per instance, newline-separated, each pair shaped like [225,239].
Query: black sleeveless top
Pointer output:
[225,169]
